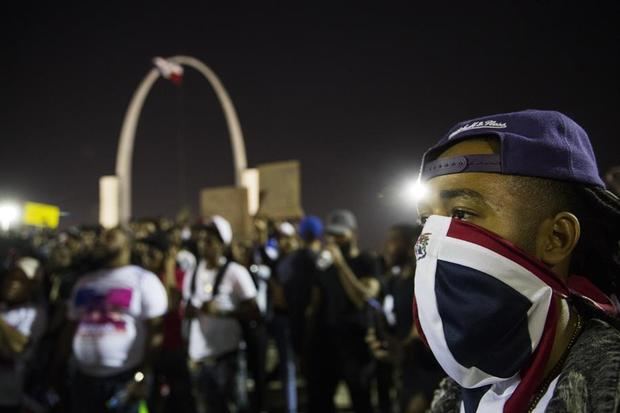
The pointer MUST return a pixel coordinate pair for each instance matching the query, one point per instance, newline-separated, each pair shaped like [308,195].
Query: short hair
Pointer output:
[597,253]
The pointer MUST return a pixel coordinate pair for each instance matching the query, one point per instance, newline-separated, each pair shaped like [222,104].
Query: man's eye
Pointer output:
[461,214]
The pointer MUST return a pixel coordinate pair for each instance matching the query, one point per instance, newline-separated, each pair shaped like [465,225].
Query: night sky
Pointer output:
[356,93]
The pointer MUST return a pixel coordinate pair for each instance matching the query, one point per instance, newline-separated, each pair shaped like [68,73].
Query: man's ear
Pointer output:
[557,238]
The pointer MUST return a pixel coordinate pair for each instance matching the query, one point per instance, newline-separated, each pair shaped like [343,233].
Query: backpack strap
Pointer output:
[192,285]
[216,284]
[219,277]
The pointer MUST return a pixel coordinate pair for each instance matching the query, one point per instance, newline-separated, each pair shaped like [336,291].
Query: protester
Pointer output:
[261,258]
[612,179]
[21,326]
[71,257]
[517,267]
[337,350]
[279,323]
[116,312]
[264,259]
[298,274]
[295,273]
[395,342]
[157,254]
[219,295]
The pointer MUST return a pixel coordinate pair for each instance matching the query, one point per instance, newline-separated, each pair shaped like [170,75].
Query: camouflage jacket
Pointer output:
[589,381]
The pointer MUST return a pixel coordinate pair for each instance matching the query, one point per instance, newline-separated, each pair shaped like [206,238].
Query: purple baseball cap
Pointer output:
[538,143]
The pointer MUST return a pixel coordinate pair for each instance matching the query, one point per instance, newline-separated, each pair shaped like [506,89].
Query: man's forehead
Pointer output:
[474,185]
[475,189]
[476,146]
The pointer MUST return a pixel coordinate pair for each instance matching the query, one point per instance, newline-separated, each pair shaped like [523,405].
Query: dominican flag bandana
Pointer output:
[488,311]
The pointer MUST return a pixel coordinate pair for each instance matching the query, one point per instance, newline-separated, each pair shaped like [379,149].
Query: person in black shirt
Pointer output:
[279,324]
[298,274]
[337,348]
[398,345]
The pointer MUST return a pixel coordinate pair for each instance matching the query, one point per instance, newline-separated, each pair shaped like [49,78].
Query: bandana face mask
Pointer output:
[487,310]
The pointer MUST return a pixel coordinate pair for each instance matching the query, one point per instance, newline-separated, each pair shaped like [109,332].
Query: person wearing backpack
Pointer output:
[219,295]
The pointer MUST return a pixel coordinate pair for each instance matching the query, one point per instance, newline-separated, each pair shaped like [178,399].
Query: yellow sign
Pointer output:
[41,215]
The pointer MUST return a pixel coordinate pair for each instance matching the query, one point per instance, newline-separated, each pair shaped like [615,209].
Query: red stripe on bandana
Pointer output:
[532,375]
[472,233]
[577,286]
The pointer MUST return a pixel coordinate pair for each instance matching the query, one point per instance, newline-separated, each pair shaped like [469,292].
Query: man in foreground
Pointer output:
[515,266]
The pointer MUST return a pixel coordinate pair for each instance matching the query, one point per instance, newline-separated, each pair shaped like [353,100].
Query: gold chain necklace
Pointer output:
[556,369]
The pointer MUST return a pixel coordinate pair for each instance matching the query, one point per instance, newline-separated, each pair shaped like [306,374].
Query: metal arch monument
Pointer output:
[115,191]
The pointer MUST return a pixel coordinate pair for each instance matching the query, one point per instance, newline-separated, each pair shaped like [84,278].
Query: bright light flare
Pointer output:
[138,377]
[414,191]
[10,213]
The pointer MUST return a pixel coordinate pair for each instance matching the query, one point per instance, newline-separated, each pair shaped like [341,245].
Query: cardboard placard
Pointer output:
[280,190]
[232,204]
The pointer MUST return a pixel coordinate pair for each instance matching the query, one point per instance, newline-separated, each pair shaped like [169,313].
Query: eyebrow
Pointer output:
[458,193]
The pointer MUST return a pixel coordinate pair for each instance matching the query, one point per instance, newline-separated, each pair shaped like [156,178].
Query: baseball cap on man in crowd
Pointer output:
[340,221]
[220,226]
[311,228]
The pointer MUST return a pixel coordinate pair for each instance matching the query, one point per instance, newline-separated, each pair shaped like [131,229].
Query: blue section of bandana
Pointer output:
[472,397]
[484,320]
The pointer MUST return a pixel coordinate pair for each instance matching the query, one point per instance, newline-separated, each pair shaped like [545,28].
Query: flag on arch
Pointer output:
[169,70]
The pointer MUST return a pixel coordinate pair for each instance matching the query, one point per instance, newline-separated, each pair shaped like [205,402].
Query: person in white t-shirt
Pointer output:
[214,309]
[116,313]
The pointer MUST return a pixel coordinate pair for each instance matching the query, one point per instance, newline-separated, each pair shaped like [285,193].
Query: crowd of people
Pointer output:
[166,316]
[503,298]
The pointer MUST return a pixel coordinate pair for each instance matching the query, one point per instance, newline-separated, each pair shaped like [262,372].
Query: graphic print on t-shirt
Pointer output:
[110,307]
[102,309]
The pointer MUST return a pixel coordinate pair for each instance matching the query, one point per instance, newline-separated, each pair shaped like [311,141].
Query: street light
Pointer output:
[9,215]
[414,190]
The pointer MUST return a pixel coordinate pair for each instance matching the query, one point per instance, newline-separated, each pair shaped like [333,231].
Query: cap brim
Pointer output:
[337,229]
